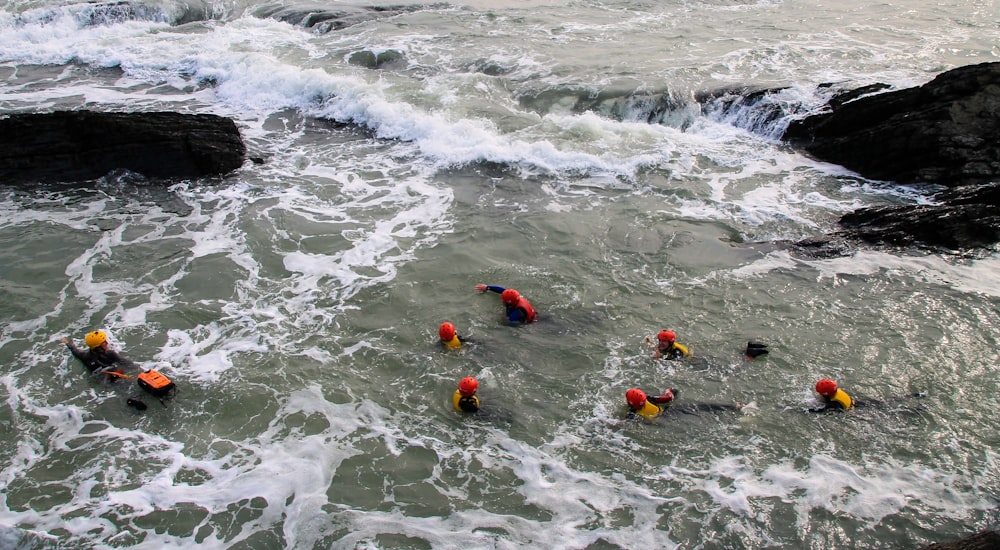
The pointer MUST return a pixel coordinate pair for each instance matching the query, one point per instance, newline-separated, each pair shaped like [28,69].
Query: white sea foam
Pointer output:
[871,491]
[266,272]
[979,276]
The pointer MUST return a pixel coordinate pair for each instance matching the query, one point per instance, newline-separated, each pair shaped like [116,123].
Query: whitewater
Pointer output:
[578,152]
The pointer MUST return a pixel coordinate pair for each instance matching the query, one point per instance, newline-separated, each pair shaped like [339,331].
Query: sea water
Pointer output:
[556,148]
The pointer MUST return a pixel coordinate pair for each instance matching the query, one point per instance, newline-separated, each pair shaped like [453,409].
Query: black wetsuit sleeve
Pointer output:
[85,356]
[828,406]
[659,400]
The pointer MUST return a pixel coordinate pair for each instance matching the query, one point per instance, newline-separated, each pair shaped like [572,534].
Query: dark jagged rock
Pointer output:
[70,146]
[986,540]
[961,219]
[944,132]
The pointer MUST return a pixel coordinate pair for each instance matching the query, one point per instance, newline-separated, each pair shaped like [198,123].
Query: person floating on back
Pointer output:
[99,358]
[648,407]
[667,346]
[517,308]
[833,397]
[755,350]
[449,338]
[465,399]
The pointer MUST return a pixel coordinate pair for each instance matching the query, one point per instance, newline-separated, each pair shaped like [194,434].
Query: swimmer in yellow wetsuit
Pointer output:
[464,399]
[833,396]
[648,407]
[667,346]
[449,338]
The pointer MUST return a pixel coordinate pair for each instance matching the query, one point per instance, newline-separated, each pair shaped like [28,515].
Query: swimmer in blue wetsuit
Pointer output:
[517,308]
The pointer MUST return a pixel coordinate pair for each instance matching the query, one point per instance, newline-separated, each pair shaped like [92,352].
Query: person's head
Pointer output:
[826,387]
[446,331]
[95,339]
[666,337]
[510,296]
[636,398]
[468,386]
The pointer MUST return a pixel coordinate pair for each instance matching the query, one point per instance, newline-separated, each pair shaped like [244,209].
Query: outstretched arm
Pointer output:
[77,352]
[492,288]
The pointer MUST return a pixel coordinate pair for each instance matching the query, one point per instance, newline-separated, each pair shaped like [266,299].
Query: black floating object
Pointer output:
[756,349]
[139,405]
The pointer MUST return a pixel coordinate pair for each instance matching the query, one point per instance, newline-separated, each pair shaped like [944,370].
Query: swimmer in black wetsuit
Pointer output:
[667,346]
[99,358]
[650,408]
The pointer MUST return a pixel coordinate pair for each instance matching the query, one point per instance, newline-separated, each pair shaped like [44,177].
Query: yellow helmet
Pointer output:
[94,339]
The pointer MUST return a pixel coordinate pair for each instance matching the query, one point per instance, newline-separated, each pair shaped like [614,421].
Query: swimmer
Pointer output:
[449,338]
[755,350]
[833,397]
[667,346]
[99,357]
[517,308]
[464,399]
[648,407]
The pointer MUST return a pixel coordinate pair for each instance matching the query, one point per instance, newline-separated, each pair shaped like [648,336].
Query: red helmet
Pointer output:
[666,335]
[826,387]
[510,296]
[468,386]
[447,331]
[636,398]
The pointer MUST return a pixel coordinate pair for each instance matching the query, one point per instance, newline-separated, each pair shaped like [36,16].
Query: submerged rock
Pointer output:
[70,146]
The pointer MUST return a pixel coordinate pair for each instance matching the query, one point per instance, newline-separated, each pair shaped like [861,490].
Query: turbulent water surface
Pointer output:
[570,150]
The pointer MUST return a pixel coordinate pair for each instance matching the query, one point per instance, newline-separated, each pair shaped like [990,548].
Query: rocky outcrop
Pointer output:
[70,146]
[944,132]
[986,540]
[965,218]
[323,19]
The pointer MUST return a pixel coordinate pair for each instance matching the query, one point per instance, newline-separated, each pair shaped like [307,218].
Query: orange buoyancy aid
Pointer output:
[530,315]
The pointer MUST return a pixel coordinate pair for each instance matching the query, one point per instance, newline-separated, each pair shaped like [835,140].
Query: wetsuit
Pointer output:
[98,359]
[651,407]
[456,342]
[839,400]
[465,403]
[672,351]
[520,312]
